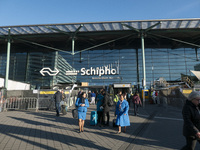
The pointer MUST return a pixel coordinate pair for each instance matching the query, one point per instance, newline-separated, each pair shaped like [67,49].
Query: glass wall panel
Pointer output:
[125,60]
[167,63]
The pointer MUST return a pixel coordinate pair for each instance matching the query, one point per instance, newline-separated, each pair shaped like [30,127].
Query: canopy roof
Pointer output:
[101,26]
[126,33]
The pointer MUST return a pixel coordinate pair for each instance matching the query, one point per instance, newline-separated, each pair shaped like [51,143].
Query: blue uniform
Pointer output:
[99,102]
[122,120]
[82,110]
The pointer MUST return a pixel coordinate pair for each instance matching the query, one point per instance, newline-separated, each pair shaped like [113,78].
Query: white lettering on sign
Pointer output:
[99,71]
[111,69]
[72,73]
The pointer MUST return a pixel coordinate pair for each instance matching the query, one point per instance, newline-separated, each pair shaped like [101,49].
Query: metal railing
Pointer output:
[20,103]
[28,103]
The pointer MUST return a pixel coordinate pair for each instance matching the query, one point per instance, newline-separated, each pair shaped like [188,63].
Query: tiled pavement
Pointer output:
[155,128]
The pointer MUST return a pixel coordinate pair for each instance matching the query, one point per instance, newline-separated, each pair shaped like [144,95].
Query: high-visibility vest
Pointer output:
[116,99]
[152,93]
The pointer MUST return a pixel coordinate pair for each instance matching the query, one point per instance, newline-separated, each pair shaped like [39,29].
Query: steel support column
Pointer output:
[197,58]
[144,67]
[138,75]
[73,44]
[8,61]
[142,32]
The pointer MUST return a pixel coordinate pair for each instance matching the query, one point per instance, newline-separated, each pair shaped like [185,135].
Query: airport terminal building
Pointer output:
[100,53]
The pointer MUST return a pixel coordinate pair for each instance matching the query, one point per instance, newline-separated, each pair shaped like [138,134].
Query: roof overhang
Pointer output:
[120,36]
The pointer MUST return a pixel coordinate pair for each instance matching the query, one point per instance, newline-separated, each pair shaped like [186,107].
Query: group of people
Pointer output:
[190,112]
[103,108]
[121,101]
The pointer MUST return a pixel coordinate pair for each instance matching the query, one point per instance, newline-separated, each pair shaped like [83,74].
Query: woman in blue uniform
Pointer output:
[122,114]
[82,104]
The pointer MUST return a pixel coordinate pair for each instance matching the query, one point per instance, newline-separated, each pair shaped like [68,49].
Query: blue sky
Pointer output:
[30,12]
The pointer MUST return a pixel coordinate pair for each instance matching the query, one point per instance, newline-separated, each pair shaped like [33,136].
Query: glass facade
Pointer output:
[166,63]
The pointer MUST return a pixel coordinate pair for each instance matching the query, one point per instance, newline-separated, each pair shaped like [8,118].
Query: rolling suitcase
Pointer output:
[93,118]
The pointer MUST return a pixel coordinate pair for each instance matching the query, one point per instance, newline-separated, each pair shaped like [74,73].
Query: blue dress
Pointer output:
[122,120]
[82,110]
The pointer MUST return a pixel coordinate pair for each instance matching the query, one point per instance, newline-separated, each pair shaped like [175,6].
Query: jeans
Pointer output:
[136,108]
[100,117]
[108,117]
[58,108]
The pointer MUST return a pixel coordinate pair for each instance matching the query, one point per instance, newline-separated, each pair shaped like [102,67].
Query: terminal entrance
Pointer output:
[124,88]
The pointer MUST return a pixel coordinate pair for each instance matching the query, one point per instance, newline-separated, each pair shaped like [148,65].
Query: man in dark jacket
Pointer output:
[191,117]
[106,109]
[57,97]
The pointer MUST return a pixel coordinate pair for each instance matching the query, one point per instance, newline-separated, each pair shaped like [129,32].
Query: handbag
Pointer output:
[114,122]
[75,113]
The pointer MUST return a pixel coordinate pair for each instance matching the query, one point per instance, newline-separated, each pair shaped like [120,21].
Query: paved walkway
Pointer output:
[155,128]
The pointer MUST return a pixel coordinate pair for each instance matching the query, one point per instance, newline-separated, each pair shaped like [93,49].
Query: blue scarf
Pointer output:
[83,100]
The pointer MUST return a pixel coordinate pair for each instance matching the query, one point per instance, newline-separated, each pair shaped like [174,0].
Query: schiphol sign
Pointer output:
[111,69]
[99,71]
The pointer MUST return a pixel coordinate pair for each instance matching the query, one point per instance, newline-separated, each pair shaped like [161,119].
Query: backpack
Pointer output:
[109,100]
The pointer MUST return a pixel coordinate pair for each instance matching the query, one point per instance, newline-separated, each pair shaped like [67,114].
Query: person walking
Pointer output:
[106,109]
[63,103]
[80,93]
[57,97]
[89,97]
[153,95]
[93,95]
[122,109]
[100,108]
[129,97]
[191,117]
[82,104]
[136,103]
